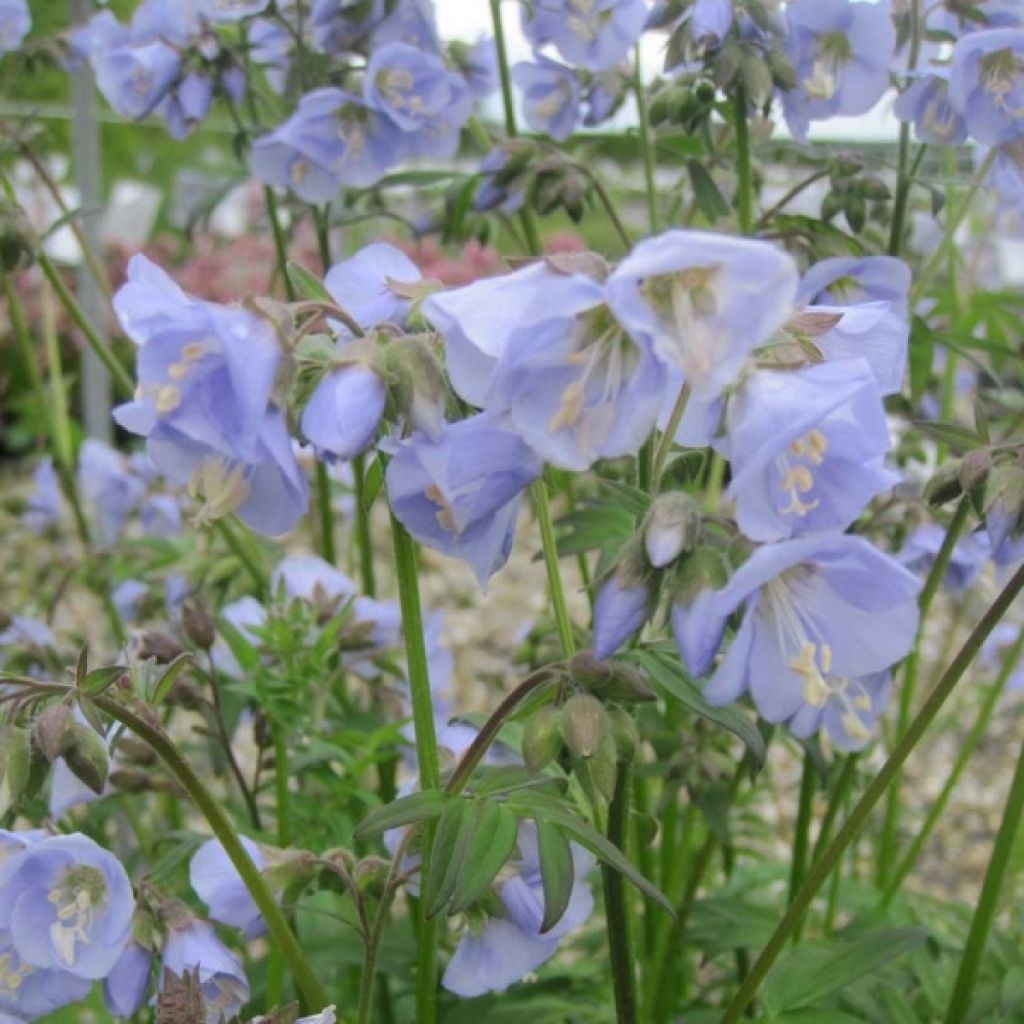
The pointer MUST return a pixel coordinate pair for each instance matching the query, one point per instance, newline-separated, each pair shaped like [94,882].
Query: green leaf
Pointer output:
[494,839]
[166,681]
[665,673]
[921,350]
[814,971]
[372,483]
[405,810]
[706,194]
[308,285]
[529,803]
[448,853]
[811,1016]
[959,438]
[99,679]
[557,872]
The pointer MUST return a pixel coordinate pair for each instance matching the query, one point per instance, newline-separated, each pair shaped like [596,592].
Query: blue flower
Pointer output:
[822,613]
[309,578]
[806,448]
[849,713]
[701,301]
[461,493]
[620,609]
[160,516]
[499,951]
[841,51]
[28,992]
[109,486]
[67,904]
[204,401]
[847,281]
[591,34]
[710,20]
[332,141]
[411,22]
[986,84]
[217,883]
[425,100]
[194,946]
[127,597]
[342,415]
[368,285]
[551,96]
[244,616]
[270,46]
[339,25]
[926,104]
[970,553]
[15,22]
[42,507]
[478,64]
[124,988]
[231,10]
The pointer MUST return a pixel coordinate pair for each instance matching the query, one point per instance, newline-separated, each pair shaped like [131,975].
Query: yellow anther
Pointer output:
[862,702]
[177,371]
[192,351]
[570,408]
[168,398]
[298,172]
[221,489]
[445,514]
[804,664]
[855,728]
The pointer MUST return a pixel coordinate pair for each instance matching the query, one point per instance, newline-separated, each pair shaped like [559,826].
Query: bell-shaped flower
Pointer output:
[966,560]
[925,104]
[244,616]
[223,11]
[841,51]
[411,22]
[333,140]
[125,987]
[986,84]
[551,96]
[193,946]
[217,883]
[205,403]
[710,20]
[15,22]
[29,992]
[160,516]
[461,493]
[495,952]
[591,34]
[700,302]
[848,281]
[67,904]
[344,411]
[310,578]
[42,506]
[369,285]
[807,449]
[621,607]
[109,487]
[820,611]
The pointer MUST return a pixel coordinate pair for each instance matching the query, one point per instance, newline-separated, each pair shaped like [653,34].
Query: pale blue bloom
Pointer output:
[127,597]
[29,992]
[551,96]
[822,612]
[160,516]
[849,714]
[15,22]
[344,411]
[109,487]
[986,84]
[604,96]
[591,34]
[969,555]
[231,10]
[872,331]
[204,401]
[619,611]
[333,140]
[24,631]
[701,302]
[478,64]
[244,616]
[461,493]
[270,46]
[841,51]
[42,507]
[217,883]
[125,987]
[848,281]
[807,449]
[411,22]
[310,578]
[504,949]
[364,285]
[195,947]
[710,20]
[341,25]
[67,904]
[926,104]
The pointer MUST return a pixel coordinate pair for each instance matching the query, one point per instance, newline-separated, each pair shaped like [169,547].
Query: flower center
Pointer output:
[834,53]
[221,488]
[796,477]
[12,973]
[80,891]
[558,95]
[1001,74]
[396,86]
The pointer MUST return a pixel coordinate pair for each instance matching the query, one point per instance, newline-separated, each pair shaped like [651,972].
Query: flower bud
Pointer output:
[601,767]
[672,526]
[85,754]
[419,391]
[370,874]
[625,733]
[574,192]
[16,239]
[199,625]
[542,738]
[1004,502]
[50,730]
[945,485]
[584,724]
[974,467]
[620,609]
[757,79]
[783,72]
[727,64]
[15,761]
[703,569]
[159,645]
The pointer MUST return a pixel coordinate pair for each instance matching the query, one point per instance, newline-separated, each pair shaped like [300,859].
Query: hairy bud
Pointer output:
[584,724]
[199,625]
[85,754]
[542,738]
[672,526]
[50,730]
[945,485]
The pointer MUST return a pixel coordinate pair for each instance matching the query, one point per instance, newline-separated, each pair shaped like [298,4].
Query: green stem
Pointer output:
[646,144]
[669,436]
[802,829]
[364,539]
[744,184]
[556,591]
[967,748]
[820,871]
[280,243]
[903,177]
[121,377]
[209,806]
[981,923]
[282,793]
[615,905]
[226,529]
[835,804]
[426,754]
[325,512]
[888,840]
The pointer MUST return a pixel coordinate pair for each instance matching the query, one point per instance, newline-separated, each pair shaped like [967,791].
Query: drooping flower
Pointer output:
[28,992]
[109,486]
[333,140]
[192,945]
[160,515]
[498,951]
[710,20]
[702,301]
[244,615]
[217,883]
[986,84]
[15,23]
[204,401]
[621,607]
[926,104]
[461,493]
[806,448]
[478,64]
[310,578]
[591,34]
[841,51]
[848,281]
[341,417]
[369,285]
[42,507]
[411,22]
[125,987]
[67,905]
[969,555]
[127,597]
[551,96]
[231,10]
[822,613]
